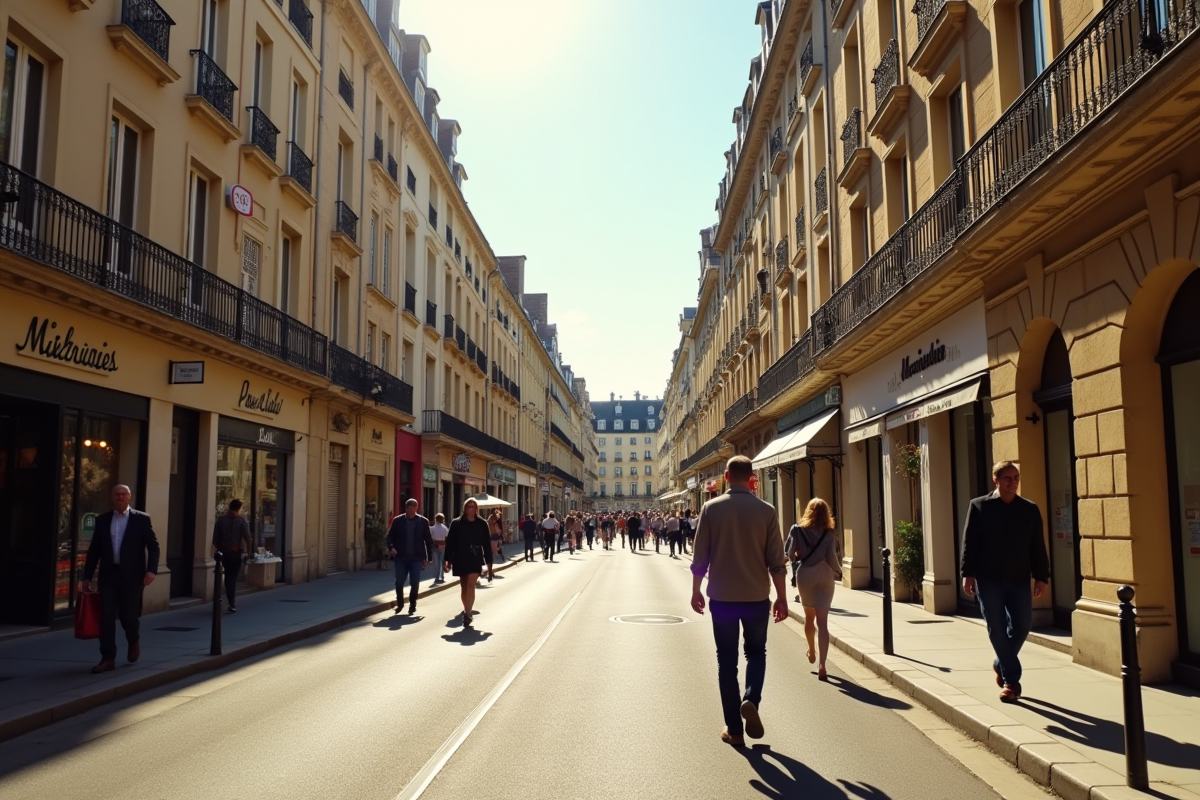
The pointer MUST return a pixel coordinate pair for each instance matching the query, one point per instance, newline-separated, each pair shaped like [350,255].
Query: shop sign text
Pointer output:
[462,463]
[267,402]
[267,436]
[64,349]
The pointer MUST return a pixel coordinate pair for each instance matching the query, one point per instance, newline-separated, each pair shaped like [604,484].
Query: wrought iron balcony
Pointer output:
[887,73]
[48,227]
[411,181]
[926,12]
[344,220]
[449,326]
[393,168]
[439,422]
[460,338]
[794,365]
[776,146]
[708,449]
[432,215]
[449,236]
[410,298]
[781,255]
[481,360]
[147,19]
[821,190]
[739,409]
[851,135]
[458,257]
[378,148]
[263,134]
[299,166]
[471,348]
[346,88]
[213,84]
[793,107]
[370,382]
[806,62]
[431,313]
[301,19]
[801,233]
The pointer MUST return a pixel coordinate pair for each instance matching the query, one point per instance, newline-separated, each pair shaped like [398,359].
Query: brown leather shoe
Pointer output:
[135,651]
[1010,694]
[754,726]
[104,666]
[729,738]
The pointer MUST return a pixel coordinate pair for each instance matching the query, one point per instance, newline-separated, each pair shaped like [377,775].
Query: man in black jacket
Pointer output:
[126,550]
[410,543]
[1003,547]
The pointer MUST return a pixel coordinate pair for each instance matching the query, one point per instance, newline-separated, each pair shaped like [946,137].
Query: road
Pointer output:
[547,698]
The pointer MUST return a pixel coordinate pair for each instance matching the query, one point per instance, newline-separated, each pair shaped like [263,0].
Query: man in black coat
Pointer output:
[1004,548]
[410,543]
[126,550]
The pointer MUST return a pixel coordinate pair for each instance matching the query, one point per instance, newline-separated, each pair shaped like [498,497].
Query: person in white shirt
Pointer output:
[438,530]
[549,537]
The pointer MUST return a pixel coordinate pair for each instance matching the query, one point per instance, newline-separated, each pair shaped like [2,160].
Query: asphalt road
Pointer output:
[547,698]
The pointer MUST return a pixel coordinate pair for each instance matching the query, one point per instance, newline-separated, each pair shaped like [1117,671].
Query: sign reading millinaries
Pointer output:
[45,340]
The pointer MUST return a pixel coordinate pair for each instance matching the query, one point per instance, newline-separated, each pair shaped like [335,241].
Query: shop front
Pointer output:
[460,475]
[411,480]
[253,462]
[378,447]
[502,483]
[918,448]
[803,460]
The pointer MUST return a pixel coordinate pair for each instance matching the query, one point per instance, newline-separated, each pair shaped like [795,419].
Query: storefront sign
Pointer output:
[545,485]
[186,372]
[376,436]
[249,434]
[462,463]
[429,476]
[42,340]
[265,402]
[567,492]
[498,473]
[240,200]
[830,398]
[711,486]
[692,481]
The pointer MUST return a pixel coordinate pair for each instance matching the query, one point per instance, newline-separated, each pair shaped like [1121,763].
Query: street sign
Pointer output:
[240,200]
[186,372]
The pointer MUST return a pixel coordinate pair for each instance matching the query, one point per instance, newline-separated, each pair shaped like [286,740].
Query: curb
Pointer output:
[1072,775]
[58,711]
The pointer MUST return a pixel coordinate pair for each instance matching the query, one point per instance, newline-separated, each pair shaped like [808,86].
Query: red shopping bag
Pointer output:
[87,615]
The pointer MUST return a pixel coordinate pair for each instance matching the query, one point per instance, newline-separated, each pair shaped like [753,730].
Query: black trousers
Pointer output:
[676,541]
[119,599]
[232,564]
[530,544]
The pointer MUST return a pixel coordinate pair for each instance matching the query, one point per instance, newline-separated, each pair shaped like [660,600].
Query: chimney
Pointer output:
[637,396]
[612,396]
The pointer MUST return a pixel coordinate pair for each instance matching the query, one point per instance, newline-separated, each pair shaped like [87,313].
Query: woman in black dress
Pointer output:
[468,547]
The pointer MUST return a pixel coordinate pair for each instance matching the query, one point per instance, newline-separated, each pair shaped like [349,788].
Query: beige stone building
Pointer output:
[627,440]
[236,261]
[969,230]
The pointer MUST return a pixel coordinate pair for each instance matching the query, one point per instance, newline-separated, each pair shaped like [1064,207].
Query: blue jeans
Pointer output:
[1008,610]
[439,564]
[730,621]
[407,571]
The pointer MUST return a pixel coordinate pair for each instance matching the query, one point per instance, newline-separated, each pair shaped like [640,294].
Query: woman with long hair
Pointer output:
[468,548]
[814,544]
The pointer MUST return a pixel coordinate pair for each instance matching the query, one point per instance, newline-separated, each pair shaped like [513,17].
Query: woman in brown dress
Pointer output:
[814,544]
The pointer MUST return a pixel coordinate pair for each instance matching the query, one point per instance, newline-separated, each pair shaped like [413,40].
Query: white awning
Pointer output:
[668,495]
[792,444]
[944,402]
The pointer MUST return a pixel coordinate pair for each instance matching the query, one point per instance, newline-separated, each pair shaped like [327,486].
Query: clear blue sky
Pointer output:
[593,134]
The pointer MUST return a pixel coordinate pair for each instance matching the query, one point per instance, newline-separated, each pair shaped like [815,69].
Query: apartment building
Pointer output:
[236,261]
[968,231]
[627,442]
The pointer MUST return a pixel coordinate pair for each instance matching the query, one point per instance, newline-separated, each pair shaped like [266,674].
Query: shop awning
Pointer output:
[958,395]
[792,444]
[668,495]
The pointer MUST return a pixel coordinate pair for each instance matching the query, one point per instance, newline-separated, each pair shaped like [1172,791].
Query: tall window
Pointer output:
[633,424]
[369,354]
[21,107]
[1033,40]
[336,312]
[285,275]
[603,488]
[958,128]
[386,277]
[602,472]
[601,424]
[618,440]
[633,488]
[256,86]
[618,425]
[123,149]
[294,120]
[650,424]
[385,350]
[251,257]
[373,265]
[197,233]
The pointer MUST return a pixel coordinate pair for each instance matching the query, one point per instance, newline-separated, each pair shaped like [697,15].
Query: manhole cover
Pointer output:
[648,619]
[293,601]
[175,628]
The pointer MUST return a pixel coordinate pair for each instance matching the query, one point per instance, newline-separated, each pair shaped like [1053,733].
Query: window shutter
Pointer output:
[251,257]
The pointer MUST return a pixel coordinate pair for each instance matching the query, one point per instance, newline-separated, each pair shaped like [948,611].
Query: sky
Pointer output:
[593,134]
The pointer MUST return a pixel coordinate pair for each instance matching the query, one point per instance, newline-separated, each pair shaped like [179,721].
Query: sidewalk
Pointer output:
[46,677]
[1067,732]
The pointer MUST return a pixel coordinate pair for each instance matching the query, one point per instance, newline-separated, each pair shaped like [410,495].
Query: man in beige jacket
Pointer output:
[739,546]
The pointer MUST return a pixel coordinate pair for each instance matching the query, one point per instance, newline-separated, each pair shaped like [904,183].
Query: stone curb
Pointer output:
[54,711]
[1072,775]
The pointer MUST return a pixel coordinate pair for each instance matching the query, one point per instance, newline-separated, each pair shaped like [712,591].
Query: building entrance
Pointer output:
[28,457]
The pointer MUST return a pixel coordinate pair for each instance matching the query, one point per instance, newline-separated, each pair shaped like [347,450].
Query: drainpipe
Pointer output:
[831,180]
[317,177]
[364,218]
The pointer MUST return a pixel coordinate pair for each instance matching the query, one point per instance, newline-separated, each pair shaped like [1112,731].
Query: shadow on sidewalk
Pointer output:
[925,663]
[397,622]
[1083,728]
[865,695]
[785,778]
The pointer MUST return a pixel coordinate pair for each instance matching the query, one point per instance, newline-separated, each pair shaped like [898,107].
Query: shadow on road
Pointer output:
[865,695]
[1108,735]
[467,637]
[925,664]
[786,778]
[395,623]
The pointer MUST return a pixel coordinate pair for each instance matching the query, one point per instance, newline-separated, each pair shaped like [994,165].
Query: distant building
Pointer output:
[626,434]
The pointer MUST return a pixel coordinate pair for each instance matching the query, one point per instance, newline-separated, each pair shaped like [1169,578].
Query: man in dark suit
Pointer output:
[410,544]
[126,550]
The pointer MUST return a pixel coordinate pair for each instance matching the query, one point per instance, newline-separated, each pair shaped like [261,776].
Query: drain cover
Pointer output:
[293,601]
[648,619]
[176,628]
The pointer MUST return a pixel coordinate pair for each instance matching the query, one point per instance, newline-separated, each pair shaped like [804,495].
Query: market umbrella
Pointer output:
[485,500]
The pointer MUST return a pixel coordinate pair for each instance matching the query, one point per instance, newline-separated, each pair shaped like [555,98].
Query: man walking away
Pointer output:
[126,550]
[549,536]
[1003,547]
[529,532]
[673,537]
[739,547]
[656,527]
[410,543]
[633,526]
[231,538]
[591,529]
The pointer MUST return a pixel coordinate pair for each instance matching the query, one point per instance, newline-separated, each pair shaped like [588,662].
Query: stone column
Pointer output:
[856,517]
[157,500]
[206,504]
[939,593]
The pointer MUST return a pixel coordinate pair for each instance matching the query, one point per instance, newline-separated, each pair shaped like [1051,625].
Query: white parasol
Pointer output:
[485,500]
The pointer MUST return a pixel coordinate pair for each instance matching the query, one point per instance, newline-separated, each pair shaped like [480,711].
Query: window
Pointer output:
[297,114]
[618,409]
[1033,40]
[650,424]
[251,256]
[646,441]
[633,472]
[633,456]
[958,131]
[208,28]
[633,488]
[617,472]
[618,489]
[197,221]
[649,489]
[600,424]
[602,472]
[603,457]
[603,488]
[123,159]
[369,353]
[257,79]
[336,317]
[618,440]
[372,260]
[386,276]
[285,275]
[385,350]
[633,424]
[647,471]
[22,101]
[647,455]
[602,442]
[618,425]
[649,411]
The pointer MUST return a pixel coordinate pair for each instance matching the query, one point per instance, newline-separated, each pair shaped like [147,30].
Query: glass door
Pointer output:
[1066,576]
[1185,398]
[972,478]
[267,514]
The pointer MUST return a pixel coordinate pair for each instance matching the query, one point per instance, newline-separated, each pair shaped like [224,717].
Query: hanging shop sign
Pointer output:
[461,463]
[46,340]
[429,475]
[240,200]
[712,485]
[692,481]
[498,473]
[545,486]
[186,372]
[267,402]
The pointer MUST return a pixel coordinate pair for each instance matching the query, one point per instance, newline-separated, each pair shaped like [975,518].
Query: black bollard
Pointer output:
[888,649]
[1131,683]
[215,648]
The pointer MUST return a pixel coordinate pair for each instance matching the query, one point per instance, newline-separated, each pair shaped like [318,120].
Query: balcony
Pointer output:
[449,326]
[481,360]
[144,34]
[840,10]
[938,24]
[263,144]
[410,181]
[213,100]
[345,229]
[431,314]
[471,348]
[346,88]
[301,19]
[778,153]
[810,73]
[796,364]
[433,216]
[855,156]
[891,96]
[441,423]
[801,232]
[821,195]
[378,152]
[410,298]
[393,168]
[460,338]
[711,448]
[298,178]
[369,381]
[50,228]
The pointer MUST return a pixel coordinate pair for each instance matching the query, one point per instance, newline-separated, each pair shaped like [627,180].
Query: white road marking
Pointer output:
[420,782]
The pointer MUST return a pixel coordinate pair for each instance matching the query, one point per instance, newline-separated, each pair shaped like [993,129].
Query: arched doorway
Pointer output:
[1054,398]
[1179,356]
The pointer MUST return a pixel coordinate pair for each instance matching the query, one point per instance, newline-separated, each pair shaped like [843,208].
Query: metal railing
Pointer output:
[213,84]
[887,72]
[301,19]
[344,220]
[152,25]
[300,166]
[460,338]
[410,181]
[263,134]
[46,226]
[393,168]
[781,255]
[410,298]
[806,62]
[346,88]
[369,381]
[794,365]
[776,142]
[740,409]
[481,360]
[821,190]
[926,12]
[448,326]
[709,448]
[851,135]
[431,313]
[378,148]
[801,238]
[432,215]
[442,423]
[793,107]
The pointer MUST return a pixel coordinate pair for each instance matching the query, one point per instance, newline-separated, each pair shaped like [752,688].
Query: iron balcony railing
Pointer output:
[740,409]
[431,313]
[821,190]
[432,216]
[147,19]
[471,348]
[561,435]
[834,7]
[393,168]
[346,88]
[481,360]
[926,12]
[794,365]
[439,422]
[776,142]
[806,62]
[378,149]
[793,107]
[411,180]
[781,256]
[449,236]
[709,448]
[300,166]
[344,220]
[46,226]
[301,19]
[448,326]
[851,135]
[369,381]
[887,72]
[410,298]
[213,84]
[460,338]
[800,231]
[263,134]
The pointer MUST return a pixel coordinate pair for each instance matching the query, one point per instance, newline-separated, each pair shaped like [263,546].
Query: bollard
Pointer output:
[1131,684]
[215,647]
[887,602]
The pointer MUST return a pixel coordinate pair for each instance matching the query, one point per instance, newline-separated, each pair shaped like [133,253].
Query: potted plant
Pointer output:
[909,562]
[375,536]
